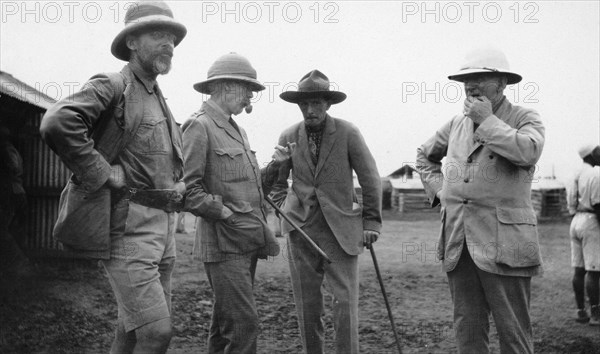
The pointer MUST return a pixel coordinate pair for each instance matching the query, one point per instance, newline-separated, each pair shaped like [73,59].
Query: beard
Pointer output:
[161,64]
[158,63]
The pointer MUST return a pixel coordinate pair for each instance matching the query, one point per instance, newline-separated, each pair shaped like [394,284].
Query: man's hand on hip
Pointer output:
[370,237]
[116,180]
[180,189]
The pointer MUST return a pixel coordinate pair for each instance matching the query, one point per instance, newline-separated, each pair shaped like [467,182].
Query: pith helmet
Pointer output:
[486,60]
[585,150]
[146,16]
[232,67]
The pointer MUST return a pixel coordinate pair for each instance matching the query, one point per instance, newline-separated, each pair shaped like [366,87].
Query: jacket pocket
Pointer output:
[84,218]
[152,137]
[230,165]
[230,152]
[240,233]
[517,237]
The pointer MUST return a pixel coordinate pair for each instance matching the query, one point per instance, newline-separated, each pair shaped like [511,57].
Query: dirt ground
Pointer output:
[68,306]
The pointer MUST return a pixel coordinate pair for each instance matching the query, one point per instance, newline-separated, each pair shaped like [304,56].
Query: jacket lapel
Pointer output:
[229,129]
[327,143]
[223,122]
[472,144]
[303,141]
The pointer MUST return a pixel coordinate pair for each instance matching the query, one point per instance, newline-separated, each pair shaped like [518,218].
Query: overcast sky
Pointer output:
[391,59]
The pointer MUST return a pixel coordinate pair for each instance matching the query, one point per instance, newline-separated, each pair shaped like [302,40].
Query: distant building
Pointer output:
[405,171]
[549,197]
[408,195]
[390,194]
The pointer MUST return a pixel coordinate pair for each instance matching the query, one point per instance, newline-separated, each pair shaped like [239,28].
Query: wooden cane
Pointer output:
[385,298]
[300,231]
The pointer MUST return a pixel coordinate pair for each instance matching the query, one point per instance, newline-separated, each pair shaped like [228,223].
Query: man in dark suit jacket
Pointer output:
[322,201]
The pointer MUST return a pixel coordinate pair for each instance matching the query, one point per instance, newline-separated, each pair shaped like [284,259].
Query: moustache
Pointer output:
[167,52]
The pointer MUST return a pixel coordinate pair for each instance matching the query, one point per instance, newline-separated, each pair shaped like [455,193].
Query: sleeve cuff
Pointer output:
[371,225]
[94,178]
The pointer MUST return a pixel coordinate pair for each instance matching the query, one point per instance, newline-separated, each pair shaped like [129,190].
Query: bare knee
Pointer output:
[154,336]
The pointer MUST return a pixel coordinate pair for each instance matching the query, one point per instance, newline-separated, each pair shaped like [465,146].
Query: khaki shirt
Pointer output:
[153,158]
[584,191]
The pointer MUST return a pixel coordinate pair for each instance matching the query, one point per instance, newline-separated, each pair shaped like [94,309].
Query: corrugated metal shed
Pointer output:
[44,175]
[17,89]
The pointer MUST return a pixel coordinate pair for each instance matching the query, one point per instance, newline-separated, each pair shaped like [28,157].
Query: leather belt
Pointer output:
[164,199]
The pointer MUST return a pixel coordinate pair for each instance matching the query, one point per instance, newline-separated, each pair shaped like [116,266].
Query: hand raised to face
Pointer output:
[477,108]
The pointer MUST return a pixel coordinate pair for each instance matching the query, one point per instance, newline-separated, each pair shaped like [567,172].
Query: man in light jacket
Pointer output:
[489,241]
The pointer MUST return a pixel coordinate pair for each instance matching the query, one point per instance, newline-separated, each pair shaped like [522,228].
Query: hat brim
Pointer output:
[119,46]
[462,75]
[332,97]
[204,86]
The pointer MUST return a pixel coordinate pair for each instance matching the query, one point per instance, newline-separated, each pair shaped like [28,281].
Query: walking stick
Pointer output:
[300,231]
[387,303]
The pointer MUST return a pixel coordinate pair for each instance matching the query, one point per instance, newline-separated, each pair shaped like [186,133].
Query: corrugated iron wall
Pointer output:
[44,178]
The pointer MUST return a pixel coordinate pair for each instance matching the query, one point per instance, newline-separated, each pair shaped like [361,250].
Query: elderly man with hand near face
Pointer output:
[225,187]
[118,133]
[325,151]
[488,242]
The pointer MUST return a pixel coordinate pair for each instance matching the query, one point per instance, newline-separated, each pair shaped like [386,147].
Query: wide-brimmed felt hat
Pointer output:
[313,85]
[232,67]
[146,16]
[485,60]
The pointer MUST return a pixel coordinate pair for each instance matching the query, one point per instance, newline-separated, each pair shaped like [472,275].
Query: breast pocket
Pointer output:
[230,164]
[153,136]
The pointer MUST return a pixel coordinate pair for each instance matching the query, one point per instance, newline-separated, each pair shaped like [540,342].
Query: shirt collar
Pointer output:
[217,112]
[318,128]
[149,83]
[497,106]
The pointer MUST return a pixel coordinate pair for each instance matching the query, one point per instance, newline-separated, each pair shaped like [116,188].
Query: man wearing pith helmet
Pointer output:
[583,201]
[118,133]
[225,188]
[325,151]
[488,242]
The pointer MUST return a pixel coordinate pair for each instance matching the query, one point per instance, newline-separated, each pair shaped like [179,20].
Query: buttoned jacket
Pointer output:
[329,185]
[485,185]
[221,170]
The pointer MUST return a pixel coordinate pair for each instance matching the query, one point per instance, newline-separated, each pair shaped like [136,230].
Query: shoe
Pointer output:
[595,318]
[582,316]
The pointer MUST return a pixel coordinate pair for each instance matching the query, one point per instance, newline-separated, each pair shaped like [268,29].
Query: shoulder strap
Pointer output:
[108,134]
[117,80]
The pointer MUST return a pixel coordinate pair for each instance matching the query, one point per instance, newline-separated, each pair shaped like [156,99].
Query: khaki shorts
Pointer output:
[141,263]
[585,242]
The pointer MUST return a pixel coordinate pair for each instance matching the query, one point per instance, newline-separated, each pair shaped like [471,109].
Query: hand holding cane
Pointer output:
[300,231]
